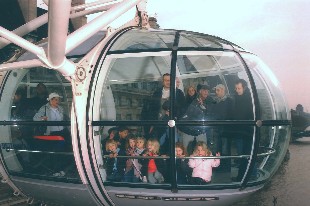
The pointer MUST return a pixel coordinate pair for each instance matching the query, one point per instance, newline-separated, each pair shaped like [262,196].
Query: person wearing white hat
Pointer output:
[51,112]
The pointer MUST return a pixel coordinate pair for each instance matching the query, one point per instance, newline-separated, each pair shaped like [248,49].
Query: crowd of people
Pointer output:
[135,159]
[196,104]
[43,106]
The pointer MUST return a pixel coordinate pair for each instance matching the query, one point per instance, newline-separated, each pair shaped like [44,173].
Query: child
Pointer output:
[151,167]
[183,170]
[139,151]
[121,137]
[202,168]
[129,175]
[115,166]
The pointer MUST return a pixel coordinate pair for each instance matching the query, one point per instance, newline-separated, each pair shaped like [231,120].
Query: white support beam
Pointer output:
[21,64]
[26,28]
[96,3]
[58,21]
[88,30]
[22,42]
[92,11]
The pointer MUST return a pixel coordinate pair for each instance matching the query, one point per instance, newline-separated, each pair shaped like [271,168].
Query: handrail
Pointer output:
[269,152]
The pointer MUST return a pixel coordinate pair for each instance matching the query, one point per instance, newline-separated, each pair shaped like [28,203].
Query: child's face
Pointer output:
[132,143]
[112,134]
[178,152]
[112,147]
[201,152]
[123,134]
[140,144]
[151,147]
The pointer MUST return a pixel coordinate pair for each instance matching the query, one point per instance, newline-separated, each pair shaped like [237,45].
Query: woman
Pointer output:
[51,112]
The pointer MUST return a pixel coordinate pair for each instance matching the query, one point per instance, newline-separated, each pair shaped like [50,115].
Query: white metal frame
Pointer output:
[59,43]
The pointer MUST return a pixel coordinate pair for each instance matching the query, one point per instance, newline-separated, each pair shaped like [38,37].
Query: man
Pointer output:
[36,102]
[222,111]
[243,110]
[153,108]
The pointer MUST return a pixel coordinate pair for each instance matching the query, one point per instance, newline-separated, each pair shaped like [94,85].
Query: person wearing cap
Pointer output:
[52,112]
[199,109]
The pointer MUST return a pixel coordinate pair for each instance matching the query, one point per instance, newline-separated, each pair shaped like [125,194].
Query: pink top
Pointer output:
[203,167]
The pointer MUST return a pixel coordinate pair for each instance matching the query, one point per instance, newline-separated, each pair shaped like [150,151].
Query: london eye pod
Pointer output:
[116,74]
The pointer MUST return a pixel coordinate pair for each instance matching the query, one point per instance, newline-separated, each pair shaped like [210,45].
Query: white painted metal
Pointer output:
[87,5]
[58,17]
[26,28]
[43,19]
[21,64]
[88,30]
[22,42]
[92,11]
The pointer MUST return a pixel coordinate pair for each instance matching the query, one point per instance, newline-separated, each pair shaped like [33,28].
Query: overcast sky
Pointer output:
[278,31]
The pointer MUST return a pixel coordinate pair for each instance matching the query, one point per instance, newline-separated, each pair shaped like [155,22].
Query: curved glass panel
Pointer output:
[130,84]
[38,151]
[189,39]
[274,87]
[144,40]
[272,107]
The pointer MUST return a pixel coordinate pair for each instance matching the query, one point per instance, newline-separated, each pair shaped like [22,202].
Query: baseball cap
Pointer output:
[53,95]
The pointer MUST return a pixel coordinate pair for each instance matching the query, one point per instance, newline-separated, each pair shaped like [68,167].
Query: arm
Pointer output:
[41,113]
[216,162]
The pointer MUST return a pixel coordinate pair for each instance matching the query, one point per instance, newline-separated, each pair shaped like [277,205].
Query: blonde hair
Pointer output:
[181,146]
[155,143]
[204,148]
[143,139]
[191,86]
[110,142]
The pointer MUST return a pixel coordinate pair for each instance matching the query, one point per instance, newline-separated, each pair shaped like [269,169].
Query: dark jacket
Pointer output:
[243,110]
[116,175]
[152,106]
[183,171]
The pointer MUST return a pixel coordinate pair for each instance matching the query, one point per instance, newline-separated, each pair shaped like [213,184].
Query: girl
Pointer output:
[183,170]
[139,151]
[202,168]
[151,167]
[115,166]
[130,149]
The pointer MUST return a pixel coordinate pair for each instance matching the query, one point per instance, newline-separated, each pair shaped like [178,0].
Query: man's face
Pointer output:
[166,82]
[203,93]
[123,134]
[41,89]
[239,89]
[220,92]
